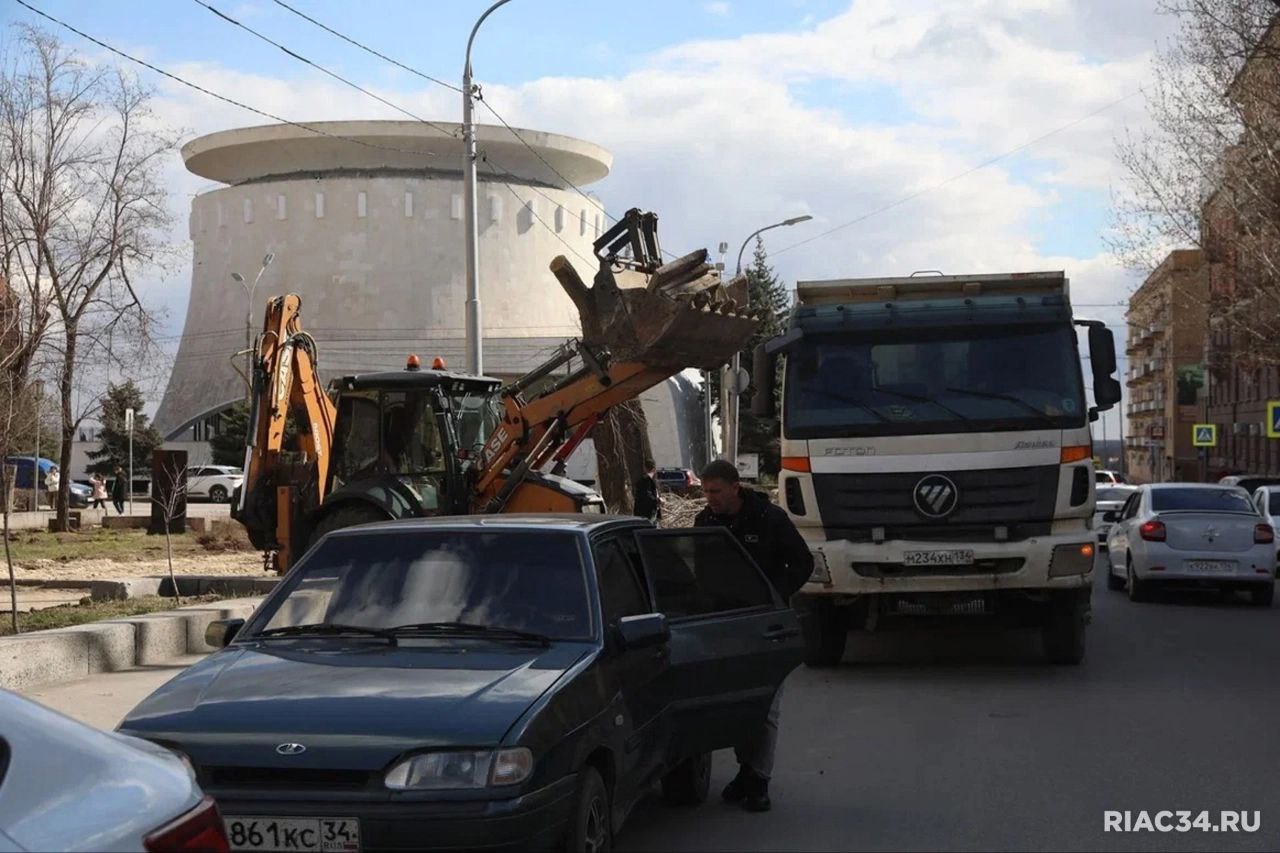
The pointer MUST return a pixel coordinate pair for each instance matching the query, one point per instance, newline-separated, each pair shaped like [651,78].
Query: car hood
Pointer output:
[351,704]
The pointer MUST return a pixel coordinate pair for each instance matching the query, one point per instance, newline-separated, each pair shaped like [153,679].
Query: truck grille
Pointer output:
[997,566]
[1021,500]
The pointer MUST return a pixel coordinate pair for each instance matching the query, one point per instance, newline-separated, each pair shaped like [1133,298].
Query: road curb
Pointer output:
[42,658]
[230,585]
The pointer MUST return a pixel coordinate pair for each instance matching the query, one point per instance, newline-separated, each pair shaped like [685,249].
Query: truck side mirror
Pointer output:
[762,370]
[1102,357]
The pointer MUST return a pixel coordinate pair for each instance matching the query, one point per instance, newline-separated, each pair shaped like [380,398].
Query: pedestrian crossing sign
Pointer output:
[1273,419]
[1204,435]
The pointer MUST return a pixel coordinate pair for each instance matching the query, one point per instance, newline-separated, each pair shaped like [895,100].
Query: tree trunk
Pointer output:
[8,554]
[622,445]
[68,430]
[168,549]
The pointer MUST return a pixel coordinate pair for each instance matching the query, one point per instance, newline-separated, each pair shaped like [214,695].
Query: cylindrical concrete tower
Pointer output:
[366,224]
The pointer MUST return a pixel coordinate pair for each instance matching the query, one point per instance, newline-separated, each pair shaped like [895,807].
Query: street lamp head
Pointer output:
[266,262]
[797,220]
[236,277]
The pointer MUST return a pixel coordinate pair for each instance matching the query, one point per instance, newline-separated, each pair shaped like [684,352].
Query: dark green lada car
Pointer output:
[477,682]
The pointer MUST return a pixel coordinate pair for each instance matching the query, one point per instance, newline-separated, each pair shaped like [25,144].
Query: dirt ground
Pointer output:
[99,554]
[239,563]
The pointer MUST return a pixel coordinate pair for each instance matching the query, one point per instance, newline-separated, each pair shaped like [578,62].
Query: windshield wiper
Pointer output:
[319,629]
[995,395]
[844,399]
[471,628]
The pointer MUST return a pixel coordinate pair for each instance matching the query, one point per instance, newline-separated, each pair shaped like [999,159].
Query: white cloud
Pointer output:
[718,8]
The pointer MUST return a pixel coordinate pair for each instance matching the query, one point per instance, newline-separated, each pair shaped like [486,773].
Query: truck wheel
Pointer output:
[589,826]
[1066,615]
[345,516]
[1262,596]
[689,783]
[825,628]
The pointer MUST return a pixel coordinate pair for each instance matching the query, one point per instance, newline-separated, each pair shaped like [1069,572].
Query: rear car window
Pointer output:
[697,573]
[501,579]
[1214,500]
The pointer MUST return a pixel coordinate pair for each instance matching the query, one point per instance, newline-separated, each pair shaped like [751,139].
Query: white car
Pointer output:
[1191,533]
[1109,499]
[1108,478]
[66,786]
[215,482]
[1267,500]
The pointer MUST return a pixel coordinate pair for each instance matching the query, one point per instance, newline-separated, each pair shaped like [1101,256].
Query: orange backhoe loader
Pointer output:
[417,442]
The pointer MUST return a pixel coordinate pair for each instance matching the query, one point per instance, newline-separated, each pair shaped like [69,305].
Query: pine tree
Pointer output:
[768,296]
[228,445]
[114,436]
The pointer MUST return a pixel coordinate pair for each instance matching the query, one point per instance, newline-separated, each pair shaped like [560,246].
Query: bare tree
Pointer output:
[82,159]
[622,446]
[1207,172]
[169,496]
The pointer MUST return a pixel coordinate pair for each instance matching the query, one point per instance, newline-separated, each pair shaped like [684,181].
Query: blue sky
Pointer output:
[726,115]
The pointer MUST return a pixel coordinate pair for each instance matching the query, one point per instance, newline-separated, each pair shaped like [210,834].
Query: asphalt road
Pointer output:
[964,739]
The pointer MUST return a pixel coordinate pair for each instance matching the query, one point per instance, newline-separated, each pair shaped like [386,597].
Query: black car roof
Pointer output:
[552,522]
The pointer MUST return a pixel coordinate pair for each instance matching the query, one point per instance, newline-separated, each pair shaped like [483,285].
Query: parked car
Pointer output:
[66,786]
[1191,533]
[215,482]
[681,481]
[1267,500]
[480,681]
[1249,482]
[1108,478]
[79,495]
[1109,499]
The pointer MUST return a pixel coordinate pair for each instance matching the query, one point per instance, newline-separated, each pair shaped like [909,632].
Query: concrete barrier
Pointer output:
[237,586]
[64,654]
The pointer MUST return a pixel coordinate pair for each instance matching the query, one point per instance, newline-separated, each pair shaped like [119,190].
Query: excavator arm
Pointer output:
[284,382]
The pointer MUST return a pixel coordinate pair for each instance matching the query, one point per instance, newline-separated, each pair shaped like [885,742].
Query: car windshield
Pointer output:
[1114,495]
[1213,500]
[907,382]
[518,581]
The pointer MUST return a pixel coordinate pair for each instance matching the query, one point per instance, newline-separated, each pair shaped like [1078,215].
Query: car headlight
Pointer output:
[449,771]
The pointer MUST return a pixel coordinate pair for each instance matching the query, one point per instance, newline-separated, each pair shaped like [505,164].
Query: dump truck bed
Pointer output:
[914,288]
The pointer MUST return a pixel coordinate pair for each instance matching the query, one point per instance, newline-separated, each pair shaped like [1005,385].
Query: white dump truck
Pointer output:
[937,453]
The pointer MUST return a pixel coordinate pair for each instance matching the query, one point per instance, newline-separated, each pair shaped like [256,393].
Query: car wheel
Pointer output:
[1262,596]
[1114,581]
[1066,616]
[826,629]
[689,783]
[590,829]
[1139,590]
[218,494]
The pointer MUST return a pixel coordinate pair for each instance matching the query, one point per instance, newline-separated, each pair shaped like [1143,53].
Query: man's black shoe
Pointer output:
[757,795]
[736,791]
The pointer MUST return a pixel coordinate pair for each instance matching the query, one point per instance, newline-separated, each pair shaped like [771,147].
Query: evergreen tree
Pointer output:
[228,445]
[768,296]
[115,438]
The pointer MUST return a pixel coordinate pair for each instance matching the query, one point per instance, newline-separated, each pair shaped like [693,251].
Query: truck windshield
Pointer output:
[928,381]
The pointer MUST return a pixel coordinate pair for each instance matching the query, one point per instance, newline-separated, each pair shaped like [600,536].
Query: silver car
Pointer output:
[1191,533]
[66,786]
[1109,499]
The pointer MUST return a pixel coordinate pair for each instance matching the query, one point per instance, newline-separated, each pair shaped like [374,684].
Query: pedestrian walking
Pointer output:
[769,536]
[99,484]
[118,490]
[647,504]
[51,482]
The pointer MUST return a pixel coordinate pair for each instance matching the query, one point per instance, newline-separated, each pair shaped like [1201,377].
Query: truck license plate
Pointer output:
[1211,566]
[938,558]
[322,834]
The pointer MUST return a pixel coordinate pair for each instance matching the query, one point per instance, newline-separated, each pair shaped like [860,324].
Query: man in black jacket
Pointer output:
[768,535]
[647,504]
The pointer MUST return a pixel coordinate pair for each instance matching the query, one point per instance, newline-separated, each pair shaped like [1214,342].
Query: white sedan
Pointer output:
[66,786]
[1109,499]
[1191,533]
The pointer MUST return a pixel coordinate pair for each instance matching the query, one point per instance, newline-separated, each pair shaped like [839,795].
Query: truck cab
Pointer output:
[937,453]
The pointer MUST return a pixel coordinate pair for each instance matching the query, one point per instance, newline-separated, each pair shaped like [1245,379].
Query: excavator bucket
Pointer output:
[672,315]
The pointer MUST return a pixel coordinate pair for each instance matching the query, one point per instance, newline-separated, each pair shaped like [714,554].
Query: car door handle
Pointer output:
[780,632]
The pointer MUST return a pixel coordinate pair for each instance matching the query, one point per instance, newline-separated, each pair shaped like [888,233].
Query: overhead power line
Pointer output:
[366,48]
[984,164]
[322,69]
[232,101]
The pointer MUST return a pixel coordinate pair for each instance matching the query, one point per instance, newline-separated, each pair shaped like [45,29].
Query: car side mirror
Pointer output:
[1111,516]
[639,632]
[221,632]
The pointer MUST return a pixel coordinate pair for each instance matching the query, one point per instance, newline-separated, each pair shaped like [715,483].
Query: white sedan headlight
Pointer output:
[451,771]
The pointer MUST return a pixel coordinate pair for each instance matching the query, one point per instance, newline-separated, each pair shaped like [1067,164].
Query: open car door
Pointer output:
[733,639]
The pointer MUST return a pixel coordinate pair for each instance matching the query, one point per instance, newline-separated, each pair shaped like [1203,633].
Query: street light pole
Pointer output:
[471,217]
[248,320]
[729,425]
